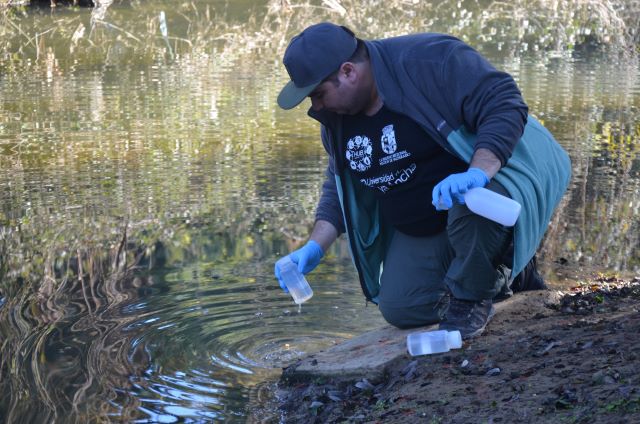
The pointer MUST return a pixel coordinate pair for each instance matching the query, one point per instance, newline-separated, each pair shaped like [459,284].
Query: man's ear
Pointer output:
[348,71]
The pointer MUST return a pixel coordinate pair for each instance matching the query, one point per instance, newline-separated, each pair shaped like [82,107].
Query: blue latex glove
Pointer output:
[455,185]
[307,258]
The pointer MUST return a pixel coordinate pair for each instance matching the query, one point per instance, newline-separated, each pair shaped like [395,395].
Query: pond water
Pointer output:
[184,150]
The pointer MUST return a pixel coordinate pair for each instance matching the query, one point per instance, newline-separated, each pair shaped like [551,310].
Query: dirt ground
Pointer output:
[577,361]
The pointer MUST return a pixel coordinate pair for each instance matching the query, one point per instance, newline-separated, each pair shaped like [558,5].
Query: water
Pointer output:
[212,184]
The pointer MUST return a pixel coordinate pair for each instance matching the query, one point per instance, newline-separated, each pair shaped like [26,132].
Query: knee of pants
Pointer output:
[469,232]
[465,228]
[413,316]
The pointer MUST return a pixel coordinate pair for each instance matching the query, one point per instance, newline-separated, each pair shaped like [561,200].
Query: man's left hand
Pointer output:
[454,187]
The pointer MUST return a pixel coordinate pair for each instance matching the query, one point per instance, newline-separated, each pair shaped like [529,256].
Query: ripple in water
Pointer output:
[208,344]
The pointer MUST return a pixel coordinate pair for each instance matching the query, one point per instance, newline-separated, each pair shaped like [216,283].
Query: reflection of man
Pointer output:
[438,120]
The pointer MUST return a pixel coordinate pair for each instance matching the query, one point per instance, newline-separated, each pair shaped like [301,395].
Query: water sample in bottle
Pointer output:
[428,342]
[297,285]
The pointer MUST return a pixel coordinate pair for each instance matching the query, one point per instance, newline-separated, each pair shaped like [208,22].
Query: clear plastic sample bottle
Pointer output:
[297,285]
[428,342]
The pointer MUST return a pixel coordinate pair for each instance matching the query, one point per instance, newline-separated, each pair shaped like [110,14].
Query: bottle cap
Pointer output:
[454,339]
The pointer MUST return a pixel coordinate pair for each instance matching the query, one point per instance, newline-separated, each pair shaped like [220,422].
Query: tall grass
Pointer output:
[108,35]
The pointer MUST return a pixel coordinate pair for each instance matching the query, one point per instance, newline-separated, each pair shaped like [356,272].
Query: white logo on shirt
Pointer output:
[390,179]
[388,140]
[359,153]
[389,146]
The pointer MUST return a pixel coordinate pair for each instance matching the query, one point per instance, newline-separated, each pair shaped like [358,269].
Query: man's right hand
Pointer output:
[307,258]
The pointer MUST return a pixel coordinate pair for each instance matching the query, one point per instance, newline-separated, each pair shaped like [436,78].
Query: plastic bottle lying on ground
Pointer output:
[428,342]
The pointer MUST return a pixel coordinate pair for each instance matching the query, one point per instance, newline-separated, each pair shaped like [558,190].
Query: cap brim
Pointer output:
[291,96]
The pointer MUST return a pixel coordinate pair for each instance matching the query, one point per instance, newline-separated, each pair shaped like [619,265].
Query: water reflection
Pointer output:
[212,184]
[181,343]
[592,108]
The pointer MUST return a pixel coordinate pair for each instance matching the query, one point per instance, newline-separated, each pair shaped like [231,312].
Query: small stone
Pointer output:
[587,345]
[598,377]
[464,363]
[493,372]
[410,368]
[335,396]
[364,385]
[547,348]
[625,391]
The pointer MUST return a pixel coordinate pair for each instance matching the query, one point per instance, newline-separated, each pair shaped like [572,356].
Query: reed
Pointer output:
[108,35]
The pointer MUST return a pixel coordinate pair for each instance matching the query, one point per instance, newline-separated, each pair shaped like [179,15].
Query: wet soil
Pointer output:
[576,361]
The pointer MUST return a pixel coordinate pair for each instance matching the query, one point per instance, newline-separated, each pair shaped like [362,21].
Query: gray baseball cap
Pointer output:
[312,56]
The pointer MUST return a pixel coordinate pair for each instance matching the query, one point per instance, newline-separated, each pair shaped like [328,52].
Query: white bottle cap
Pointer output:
[454,339]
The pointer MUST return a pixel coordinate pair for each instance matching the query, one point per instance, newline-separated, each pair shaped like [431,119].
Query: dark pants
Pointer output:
[468,259]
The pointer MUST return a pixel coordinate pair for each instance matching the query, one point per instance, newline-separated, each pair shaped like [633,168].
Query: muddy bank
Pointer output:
[573,360]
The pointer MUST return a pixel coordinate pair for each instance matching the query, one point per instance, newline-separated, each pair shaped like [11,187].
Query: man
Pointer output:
[410,124]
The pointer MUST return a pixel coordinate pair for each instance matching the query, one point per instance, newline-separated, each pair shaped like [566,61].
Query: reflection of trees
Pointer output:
[157,162]
[591,108]
[612,196]
[66,345]
[163,145]
[597,123]
[598,225]
[162,166]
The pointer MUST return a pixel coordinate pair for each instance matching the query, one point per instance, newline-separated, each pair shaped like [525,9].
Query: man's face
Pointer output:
[342,94]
